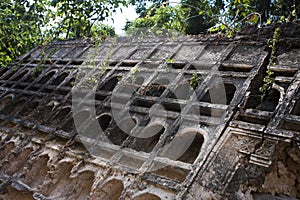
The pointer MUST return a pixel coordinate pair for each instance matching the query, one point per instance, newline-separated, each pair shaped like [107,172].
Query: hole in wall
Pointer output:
[174,107]
[156,88]
[13,194]
[44,111]
[117,136]
[182,91]
[80,186]
[104,121]
[143,103]
[291,125]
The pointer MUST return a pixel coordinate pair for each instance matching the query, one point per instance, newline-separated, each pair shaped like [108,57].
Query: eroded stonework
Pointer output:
[241,147]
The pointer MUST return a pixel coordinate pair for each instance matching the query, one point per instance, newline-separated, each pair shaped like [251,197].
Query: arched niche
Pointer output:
[193,151]
[104,121]
[60,115]
[93,130]
[46,77]
[14,107]
[5,101]
[28,109]
[111,190]
[20,75]
[270,101]
[296,109]
[8,74]
[217,94]
[182,91]
[147,137]
[118,134]
[157,87]
[58,80]
[71,82]
[3,70]
[110,84]
[185,147]
[80,118]
[147,196]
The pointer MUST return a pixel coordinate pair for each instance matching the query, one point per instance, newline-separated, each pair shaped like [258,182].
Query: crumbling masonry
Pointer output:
[242,147]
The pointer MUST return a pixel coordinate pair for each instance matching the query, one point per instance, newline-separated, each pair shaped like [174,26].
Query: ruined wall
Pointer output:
[238,147]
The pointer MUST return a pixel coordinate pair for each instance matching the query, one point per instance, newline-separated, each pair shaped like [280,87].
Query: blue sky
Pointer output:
[129,13]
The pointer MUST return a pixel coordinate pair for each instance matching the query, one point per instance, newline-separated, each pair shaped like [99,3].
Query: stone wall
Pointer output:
[120,120]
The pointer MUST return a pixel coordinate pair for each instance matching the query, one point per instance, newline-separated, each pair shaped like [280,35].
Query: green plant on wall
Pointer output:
[268,79]
[169,62]
[194,81]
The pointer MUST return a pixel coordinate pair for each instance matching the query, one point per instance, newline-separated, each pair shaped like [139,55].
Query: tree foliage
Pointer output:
[227,16]
[20,27]
[164,17]
[76,18]
[27,23]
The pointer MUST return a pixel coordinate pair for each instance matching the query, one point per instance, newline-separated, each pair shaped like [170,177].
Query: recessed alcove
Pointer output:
[58,80]
[217,95]
[46,77]
[296,108]
[185,146]
[109,84]
[146,137]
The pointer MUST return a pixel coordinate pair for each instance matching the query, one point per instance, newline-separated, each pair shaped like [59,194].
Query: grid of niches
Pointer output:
[287,71]
[291,121]
[259,110]
[147,101]
[207,60]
